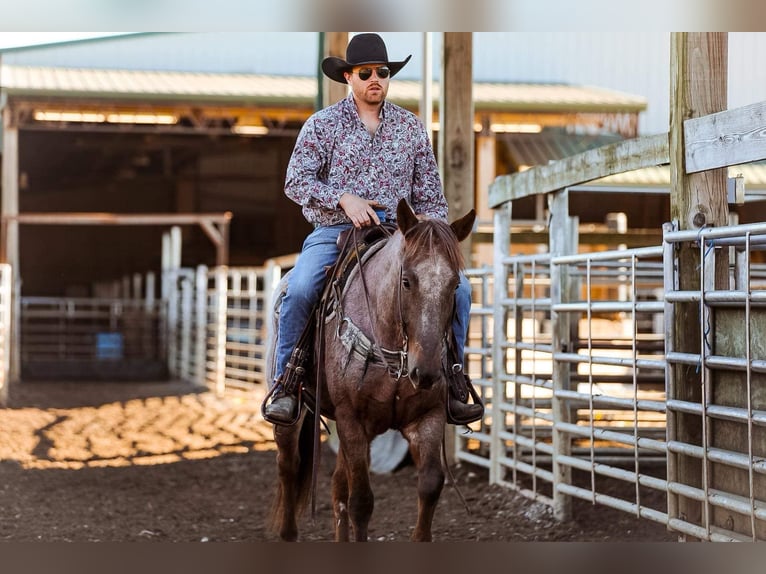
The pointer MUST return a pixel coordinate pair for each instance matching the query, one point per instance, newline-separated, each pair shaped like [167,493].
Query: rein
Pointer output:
[359,344]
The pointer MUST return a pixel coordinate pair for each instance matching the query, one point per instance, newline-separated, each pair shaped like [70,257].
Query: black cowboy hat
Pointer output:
[362,49]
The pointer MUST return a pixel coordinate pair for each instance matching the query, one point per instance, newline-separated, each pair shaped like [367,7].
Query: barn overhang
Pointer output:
[251,104]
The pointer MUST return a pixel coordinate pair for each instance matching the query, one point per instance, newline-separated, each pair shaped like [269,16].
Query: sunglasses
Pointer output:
[366,73]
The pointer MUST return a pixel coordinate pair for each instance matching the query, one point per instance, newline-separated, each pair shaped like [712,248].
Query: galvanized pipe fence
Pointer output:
[720,429]
[219,323]
[119,333]
[582,397]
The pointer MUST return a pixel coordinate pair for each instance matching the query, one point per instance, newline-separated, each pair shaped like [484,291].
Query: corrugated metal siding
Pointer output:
[281,53]
[747,74]
[632,62]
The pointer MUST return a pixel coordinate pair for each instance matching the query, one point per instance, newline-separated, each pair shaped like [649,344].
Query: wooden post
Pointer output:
[456,146]
[219,329]
[9,242]
[334,45]
[200,326]
[698,84]
[486,145]
[562,241]
[456,138]
[426,97]
[501,250]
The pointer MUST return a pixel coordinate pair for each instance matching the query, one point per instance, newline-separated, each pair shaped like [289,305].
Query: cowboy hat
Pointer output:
[362,49]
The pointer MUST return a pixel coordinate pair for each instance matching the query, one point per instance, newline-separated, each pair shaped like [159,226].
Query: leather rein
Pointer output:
[358,344]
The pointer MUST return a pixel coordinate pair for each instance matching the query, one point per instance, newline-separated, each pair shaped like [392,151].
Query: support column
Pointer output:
[698,87]
[456,137]
[334,44]
[563,241]
[426,95]
[9,242]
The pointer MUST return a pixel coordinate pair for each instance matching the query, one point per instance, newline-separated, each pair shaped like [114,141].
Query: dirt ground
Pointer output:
[167,462]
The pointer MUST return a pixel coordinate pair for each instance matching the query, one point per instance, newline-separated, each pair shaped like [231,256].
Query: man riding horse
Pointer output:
[352,163]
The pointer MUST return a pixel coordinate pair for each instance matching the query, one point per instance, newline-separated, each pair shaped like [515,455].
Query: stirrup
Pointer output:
[473,412]
[276,391]
[459,389]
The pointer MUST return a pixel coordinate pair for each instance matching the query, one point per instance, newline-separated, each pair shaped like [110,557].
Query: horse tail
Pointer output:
[295,467]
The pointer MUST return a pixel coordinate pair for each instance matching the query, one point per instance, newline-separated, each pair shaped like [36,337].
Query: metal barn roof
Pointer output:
[31,81]
[658,178]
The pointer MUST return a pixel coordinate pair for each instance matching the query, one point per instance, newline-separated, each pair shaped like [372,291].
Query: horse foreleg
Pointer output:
[340,498]
[425,445]
[285,513]
[356,452]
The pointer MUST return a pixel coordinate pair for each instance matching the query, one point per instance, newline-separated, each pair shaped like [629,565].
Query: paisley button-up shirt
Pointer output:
[335,154]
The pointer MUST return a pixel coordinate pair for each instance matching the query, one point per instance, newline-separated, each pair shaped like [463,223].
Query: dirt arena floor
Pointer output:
[168,462]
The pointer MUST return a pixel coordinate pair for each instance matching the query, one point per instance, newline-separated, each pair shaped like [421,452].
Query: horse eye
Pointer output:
[405,282]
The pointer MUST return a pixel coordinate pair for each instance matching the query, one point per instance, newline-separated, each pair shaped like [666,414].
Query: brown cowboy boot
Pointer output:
[281,404]
[464,413]
[459,410]
[282,408]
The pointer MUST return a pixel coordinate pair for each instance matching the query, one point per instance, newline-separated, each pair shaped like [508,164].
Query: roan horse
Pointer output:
[382,367]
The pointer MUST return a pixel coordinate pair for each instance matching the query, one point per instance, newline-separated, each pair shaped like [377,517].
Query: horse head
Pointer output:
[431,262]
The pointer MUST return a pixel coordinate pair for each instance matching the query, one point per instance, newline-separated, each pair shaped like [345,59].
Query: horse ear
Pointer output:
[463,226]
[405,217]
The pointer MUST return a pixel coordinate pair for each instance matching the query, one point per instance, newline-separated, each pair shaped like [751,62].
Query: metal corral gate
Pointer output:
[219,323]
[579,397]
[119,335]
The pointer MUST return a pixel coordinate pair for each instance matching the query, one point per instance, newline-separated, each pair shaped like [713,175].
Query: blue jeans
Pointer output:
[305,284]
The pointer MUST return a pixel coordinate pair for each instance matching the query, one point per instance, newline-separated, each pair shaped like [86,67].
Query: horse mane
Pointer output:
[427,236]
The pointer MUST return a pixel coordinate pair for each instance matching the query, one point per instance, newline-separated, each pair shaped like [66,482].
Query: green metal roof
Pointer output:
[659,176]
[32,81]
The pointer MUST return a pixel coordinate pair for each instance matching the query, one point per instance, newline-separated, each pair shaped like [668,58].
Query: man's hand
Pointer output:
[360,211]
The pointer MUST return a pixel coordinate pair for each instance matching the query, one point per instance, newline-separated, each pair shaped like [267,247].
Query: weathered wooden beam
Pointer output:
[9,240]
[726,138]
[456,136]
[698,80]
[627,155]
[215,225]
[699,87]
[334,45]
[96,218]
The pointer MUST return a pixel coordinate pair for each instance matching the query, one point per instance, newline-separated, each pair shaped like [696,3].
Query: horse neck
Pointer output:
[381,276]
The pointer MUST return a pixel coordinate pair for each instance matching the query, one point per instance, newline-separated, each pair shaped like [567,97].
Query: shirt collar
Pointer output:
[350,107]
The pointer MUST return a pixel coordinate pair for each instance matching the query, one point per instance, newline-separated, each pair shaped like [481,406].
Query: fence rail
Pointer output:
[73,337]
[220,323]
[582,393]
